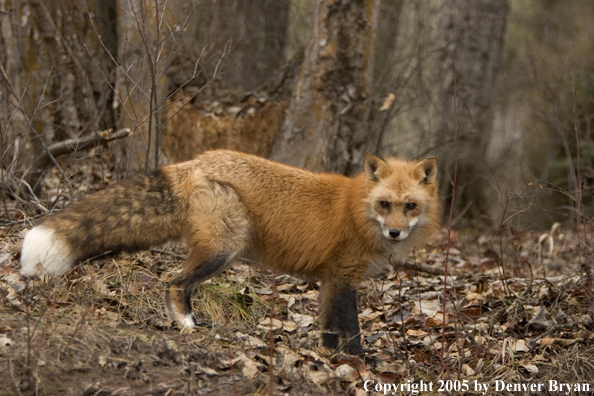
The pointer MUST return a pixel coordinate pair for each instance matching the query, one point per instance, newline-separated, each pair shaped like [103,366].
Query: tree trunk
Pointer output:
[13,121]
[51,87]
[327,122]
[244,40]
[149,37]
[386,55]
[434,34]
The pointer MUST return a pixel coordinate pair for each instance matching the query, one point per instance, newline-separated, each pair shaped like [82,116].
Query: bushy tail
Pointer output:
[129,216]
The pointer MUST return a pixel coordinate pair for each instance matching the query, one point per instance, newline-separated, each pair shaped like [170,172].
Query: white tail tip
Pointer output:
[45,253]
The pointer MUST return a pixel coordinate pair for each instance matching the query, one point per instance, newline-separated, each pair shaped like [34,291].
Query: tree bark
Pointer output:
[51,87]
[385,54]
[326,126]
[244,40]
[148,37]
[14,126]
[433,35]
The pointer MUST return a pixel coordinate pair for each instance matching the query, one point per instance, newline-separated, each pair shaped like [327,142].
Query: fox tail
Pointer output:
[133,215]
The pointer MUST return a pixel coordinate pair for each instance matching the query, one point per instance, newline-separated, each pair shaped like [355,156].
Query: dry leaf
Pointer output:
[255,342]
[343,371]
[546,341]
[387,102]
[265,324]
[416,333]
[249,367]
[467,370]
[12,297]
[539,322]
[531,368]
[206,370]
[302,320]
[318,372]
[289,358]
[520,346]
[370,316]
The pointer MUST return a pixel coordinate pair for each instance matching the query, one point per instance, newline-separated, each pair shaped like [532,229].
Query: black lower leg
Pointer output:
[339,317]
[179,293]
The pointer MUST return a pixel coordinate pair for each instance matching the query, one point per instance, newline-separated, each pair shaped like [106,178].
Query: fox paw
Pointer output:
[352,346]
[330,340]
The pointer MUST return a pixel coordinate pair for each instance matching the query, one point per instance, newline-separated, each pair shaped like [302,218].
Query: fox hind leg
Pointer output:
[179,292]
[219,230]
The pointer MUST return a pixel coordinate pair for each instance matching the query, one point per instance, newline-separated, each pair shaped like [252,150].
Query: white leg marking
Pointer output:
[188,322]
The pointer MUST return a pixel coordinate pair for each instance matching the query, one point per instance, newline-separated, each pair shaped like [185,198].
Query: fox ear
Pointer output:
[375,167]
[426,170]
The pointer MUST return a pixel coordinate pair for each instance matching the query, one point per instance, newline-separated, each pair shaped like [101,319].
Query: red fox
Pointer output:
[228,205]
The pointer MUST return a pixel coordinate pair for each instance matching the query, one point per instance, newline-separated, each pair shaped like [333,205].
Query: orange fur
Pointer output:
[229,205]
[306,223]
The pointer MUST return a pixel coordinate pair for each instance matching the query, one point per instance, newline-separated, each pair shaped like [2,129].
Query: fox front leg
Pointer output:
[338,317]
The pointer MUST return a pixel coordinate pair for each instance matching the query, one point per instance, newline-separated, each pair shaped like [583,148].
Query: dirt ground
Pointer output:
[518,314]
[515,313]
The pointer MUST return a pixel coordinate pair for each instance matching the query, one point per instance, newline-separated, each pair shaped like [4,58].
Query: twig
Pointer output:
[14,380]
[581,215]
[75,59]
[20,190]
[87,316]
[447,257]
[37,141]
[271,340]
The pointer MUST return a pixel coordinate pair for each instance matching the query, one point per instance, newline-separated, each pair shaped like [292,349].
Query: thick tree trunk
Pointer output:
[327,122]
[433,35]
[385,54]
[244,40]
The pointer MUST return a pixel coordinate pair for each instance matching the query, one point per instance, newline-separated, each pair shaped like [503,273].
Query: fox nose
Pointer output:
[394,233]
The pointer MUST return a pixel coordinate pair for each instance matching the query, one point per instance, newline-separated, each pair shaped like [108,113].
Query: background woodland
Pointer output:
[310,84]
[500,91]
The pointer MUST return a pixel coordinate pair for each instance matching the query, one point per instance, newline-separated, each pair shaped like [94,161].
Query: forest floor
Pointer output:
[518,320]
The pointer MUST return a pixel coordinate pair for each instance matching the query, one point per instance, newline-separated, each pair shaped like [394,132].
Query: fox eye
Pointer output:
[385,205]
[409,207]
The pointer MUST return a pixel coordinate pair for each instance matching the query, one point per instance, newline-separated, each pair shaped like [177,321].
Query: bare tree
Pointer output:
[385,54]
[149,34]
[327,122]
[51,90]
[247,38]
[433,39]
[58,83]
[13,120]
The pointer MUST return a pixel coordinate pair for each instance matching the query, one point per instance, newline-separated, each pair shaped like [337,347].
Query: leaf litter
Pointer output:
[518,309]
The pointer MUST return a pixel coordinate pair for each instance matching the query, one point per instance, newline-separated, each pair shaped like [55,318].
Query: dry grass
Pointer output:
[101,328]
[519,311]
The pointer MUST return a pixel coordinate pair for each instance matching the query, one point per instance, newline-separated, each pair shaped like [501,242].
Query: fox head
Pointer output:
[402,197]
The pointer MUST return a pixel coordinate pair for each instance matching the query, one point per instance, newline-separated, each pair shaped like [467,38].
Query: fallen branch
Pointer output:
[73,145]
